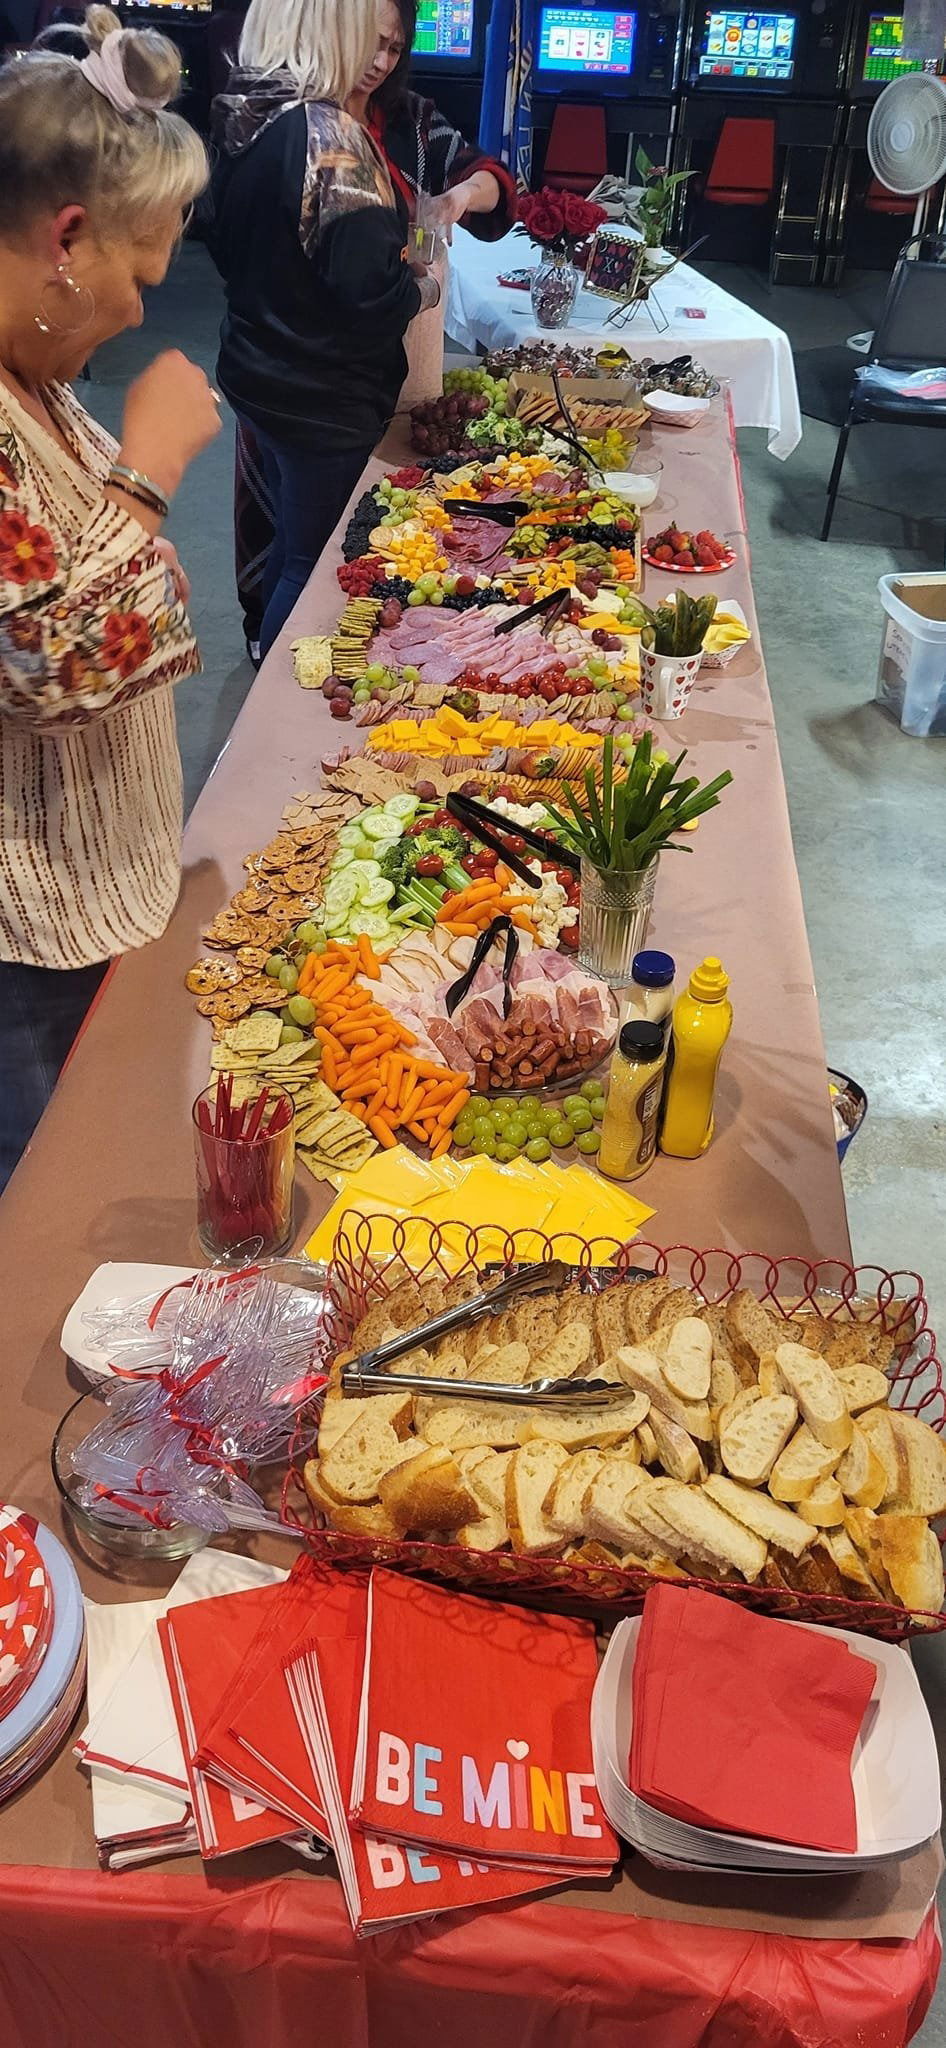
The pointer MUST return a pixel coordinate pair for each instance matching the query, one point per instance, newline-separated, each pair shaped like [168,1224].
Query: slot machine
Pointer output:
[622,59]
[868,225]
[447,58]
[760,122]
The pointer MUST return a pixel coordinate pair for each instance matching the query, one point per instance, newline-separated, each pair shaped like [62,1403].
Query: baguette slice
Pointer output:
[862,1386]
[687,1358]
[724,1381]
[642,1298]
[609,1320]
[529,1475]
[373,1520]
[890,1449]
[859,1344]
[675,1449]
[466,1425]
[566,1355]
[486,1479]
[428,1491]
[912,1560]
[821,1401]
[752,1331]
[352,1470]
[678,1302]
[648,1444]
[618,1508]
[708,1531]
[922,1490]
[563,1503]
[800,1466]
[743,1398]
[824,1505]
[860,1474]
[763,1516]
[770,1379]
[612,1423]
[751,1441]
[851,1566]
[504,1365]
[342,1411]
[640,1368]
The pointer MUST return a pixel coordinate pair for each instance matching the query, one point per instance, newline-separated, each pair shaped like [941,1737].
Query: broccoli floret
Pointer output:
[446,840]
[398,864]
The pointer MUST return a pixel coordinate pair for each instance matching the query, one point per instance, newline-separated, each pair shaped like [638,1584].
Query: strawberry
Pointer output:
[683,559]
[677,539]
[664,553]
[706,539]
[707,557]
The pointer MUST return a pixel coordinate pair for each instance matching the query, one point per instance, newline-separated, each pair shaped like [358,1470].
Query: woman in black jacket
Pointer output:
[311,246]
[424,155]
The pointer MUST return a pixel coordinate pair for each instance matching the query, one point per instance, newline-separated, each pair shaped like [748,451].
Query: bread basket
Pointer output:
[360,1276]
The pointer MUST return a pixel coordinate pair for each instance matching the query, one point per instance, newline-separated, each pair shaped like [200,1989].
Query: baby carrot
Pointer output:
[366,955]
[451,1110]
[419,1131]
[460,930]
[355,1034]
[364,1053]
[381,1130]
[327,1068]
[395,1071]
[357,1109]
[442,1145]
[406,1037]
[329,1042]
[377,1101]
[412,1105]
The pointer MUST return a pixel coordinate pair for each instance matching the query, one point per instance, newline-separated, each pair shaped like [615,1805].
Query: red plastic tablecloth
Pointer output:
[152,1962]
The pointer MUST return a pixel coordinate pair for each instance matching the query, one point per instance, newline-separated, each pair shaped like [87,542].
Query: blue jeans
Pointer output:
[309,492]
[41,1010]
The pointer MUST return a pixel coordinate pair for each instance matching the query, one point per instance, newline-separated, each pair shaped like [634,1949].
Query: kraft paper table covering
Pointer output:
[109,1176]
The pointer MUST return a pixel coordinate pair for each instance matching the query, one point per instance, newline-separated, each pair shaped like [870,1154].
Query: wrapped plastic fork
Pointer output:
[179,1445]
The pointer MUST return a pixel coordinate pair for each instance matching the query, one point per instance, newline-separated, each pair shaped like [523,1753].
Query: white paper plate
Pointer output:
[894,1773]
[117,1280]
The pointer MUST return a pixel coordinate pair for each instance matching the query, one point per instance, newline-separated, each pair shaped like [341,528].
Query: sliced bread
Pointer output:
[565,1356]
[912,1560]
[707,1531]
[751,1440]
[800,1466]
[464,1425]
[860,1474]
[642,1299]
[579,1428]
[862,1386]
[648,1444]
[608,1315]
[428,1491]
[686,1354]
[503,1365]
[889,1448]
[860,1344]
[352,1469]
[676,1450]
[530,1473]
[564,1502]
[341,1412]
[372,1520]
[641,1368]
[922,1490]
[813,1386]
[777,1525]
[852,1567]
[824,1506]
[610,1512]
[752,1331]
[486,1479]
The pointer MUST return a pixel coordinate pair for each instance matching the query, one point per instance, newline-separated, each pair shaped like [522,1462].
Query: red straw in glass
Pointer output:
[257,1116]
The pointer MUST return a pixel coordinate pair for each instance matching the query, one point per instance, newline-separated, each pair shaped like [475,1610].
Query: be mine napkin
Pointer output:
[474,1734]
[746,1724]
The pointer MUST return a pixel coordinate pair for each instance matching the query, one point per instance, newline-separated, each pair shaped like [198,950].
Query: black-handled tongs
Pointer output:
[551,602]
[507,513]
[480,819]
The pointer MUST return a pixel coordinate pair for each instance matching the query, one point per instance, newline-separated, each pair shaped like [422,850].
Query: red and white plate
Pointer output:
[671,568]
[26,1606]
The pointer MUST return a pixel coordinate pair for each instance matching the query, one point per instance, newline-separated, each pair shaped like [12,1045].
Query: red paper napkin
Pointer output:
[746,1724]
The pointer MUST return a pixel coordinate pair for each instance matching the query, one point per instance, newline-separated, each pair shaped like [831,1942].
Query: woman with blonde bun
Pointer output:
[319,295]
[95,178]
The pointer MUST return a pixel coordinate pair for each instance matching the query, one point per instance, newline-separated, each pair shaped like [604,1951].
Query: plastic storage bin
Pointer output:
[911,679]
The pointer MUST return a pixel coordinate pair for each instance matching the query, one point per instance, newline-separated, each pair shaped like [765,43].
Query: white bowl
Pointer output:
[674,408]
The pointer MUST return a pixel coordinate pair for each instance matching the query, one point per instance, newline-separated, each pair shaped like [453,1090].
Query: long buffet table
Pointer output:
[255,1951]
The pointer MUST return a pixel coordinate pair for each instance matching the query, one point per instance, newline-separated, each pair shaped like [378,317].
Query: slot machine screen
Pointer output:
[883,57]
[445,32]
[591,43]
[745,49]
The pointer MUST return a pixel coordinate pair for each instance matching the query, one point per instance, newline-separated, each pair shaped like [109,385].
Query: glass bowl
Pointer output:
[181,1540]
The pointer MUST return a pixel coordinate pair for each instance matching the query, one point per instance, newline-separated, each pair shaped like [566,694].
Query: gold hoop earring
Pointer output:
[83,305]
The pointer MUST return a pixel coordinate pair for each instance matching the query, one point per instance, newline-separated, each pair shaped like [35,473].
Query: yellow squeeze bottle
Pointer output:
[702,1021]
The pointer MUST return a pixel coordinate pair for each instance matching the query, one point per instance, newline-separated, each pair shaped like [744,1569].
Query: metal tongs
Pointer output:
[368,1375]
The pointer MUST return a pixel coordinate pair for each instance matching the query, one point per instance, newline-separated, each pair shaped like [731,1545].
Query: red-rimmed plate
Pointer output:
[26,1606]
[672,569]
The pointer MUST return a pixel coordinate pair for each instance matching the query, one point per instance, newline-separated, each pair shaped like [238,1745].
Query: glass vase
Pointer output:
[554,289]
[615,912]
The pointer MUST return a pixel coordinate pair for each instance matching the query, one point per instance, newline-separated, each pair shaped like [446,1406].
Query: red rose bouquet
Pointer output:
[560,221]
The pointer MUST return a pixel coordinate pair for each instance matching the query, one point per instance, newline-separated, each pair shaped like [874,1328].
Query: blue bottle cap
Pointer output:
[653,970]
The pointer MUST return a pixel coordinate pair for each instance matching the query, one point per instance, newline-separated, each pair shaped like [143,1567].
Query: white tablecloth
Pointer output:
[730,340]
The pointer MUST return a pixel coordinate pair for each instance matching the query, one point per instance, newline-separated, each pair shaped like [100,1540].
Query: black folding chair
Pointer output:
[910,335]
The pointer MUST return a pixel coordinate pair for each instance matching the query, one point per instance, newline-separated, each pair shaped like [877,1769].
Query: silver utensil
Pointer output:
[540,1278]
[536,1393]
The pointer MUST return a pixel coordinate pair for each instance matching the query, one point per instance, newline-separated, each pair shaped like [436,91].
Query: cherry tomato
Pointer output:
[414,831]
[568,938]
[468,863]
[516,843]
[440,818]
[487,858]
[430,866]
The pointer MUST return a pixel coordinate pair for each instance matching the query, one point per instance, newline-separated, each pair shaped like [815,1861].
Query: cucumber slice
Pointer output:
[337,926]
[374,923]
[404,806]
[341,892]
[372,895]
[375,825]
[342,858]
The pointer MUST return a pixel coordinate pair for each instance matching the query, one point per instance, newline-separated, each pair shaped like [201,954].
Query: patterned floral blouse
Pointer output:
[92,638]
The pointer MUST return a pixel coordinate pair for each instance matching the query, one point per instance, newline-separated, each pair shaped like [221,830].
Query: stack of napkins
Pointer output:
[725,1740]
[400,1187]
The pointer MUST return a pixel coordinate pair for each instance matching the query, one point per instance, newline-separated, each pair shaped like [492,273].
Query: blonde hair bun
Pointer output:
[150,61]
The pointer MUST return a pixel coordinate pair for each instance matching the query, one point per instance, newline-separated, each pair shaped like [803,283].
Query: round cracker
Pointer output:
[252,958]
[227,1006]
[255,897]
[208,977]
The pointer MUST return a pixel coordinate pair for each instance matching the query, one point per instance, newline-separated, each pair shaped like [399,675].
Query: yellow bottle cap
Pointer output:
[709,982]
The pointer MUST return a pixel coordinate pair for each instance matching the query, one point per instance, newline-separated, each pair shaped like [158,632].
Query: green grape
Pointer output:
[463,1130]
[274,966]
[598,1108]
[505,1102]
[478,1105]
[573,1102]
[561,1134]
[288,979]
[483,1128]
[588,1141]
[301,1010]
[581,1119]
[517,1132]
[485,1148]
[308,934]
[589,1089]
[416,596]
[410,675]
[291,1035]
[498,1116]
[538,1149]
[505,1151]
[547,1119]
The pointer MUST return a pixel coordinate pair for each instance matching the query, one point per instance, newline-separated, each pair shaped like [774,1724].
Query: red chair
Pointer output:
[877,199]
[577,153]
[742,172]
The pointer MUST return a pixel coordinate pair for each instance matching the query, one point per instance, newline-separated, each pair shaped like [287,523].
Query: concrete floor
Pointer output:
[866,802]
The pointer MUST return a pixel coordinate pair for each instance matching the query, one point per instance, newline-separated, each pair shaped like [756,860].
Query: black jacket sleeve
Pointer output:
[361,260]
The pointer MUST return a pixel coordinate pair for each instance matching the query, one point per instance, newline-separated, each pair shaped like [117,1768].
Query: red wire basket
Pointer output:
[361,1275]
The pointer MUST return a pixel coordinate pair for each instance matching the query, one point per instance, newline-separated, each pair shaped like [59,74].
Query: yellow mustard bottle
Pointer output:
[702,1021]
[635,1086]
